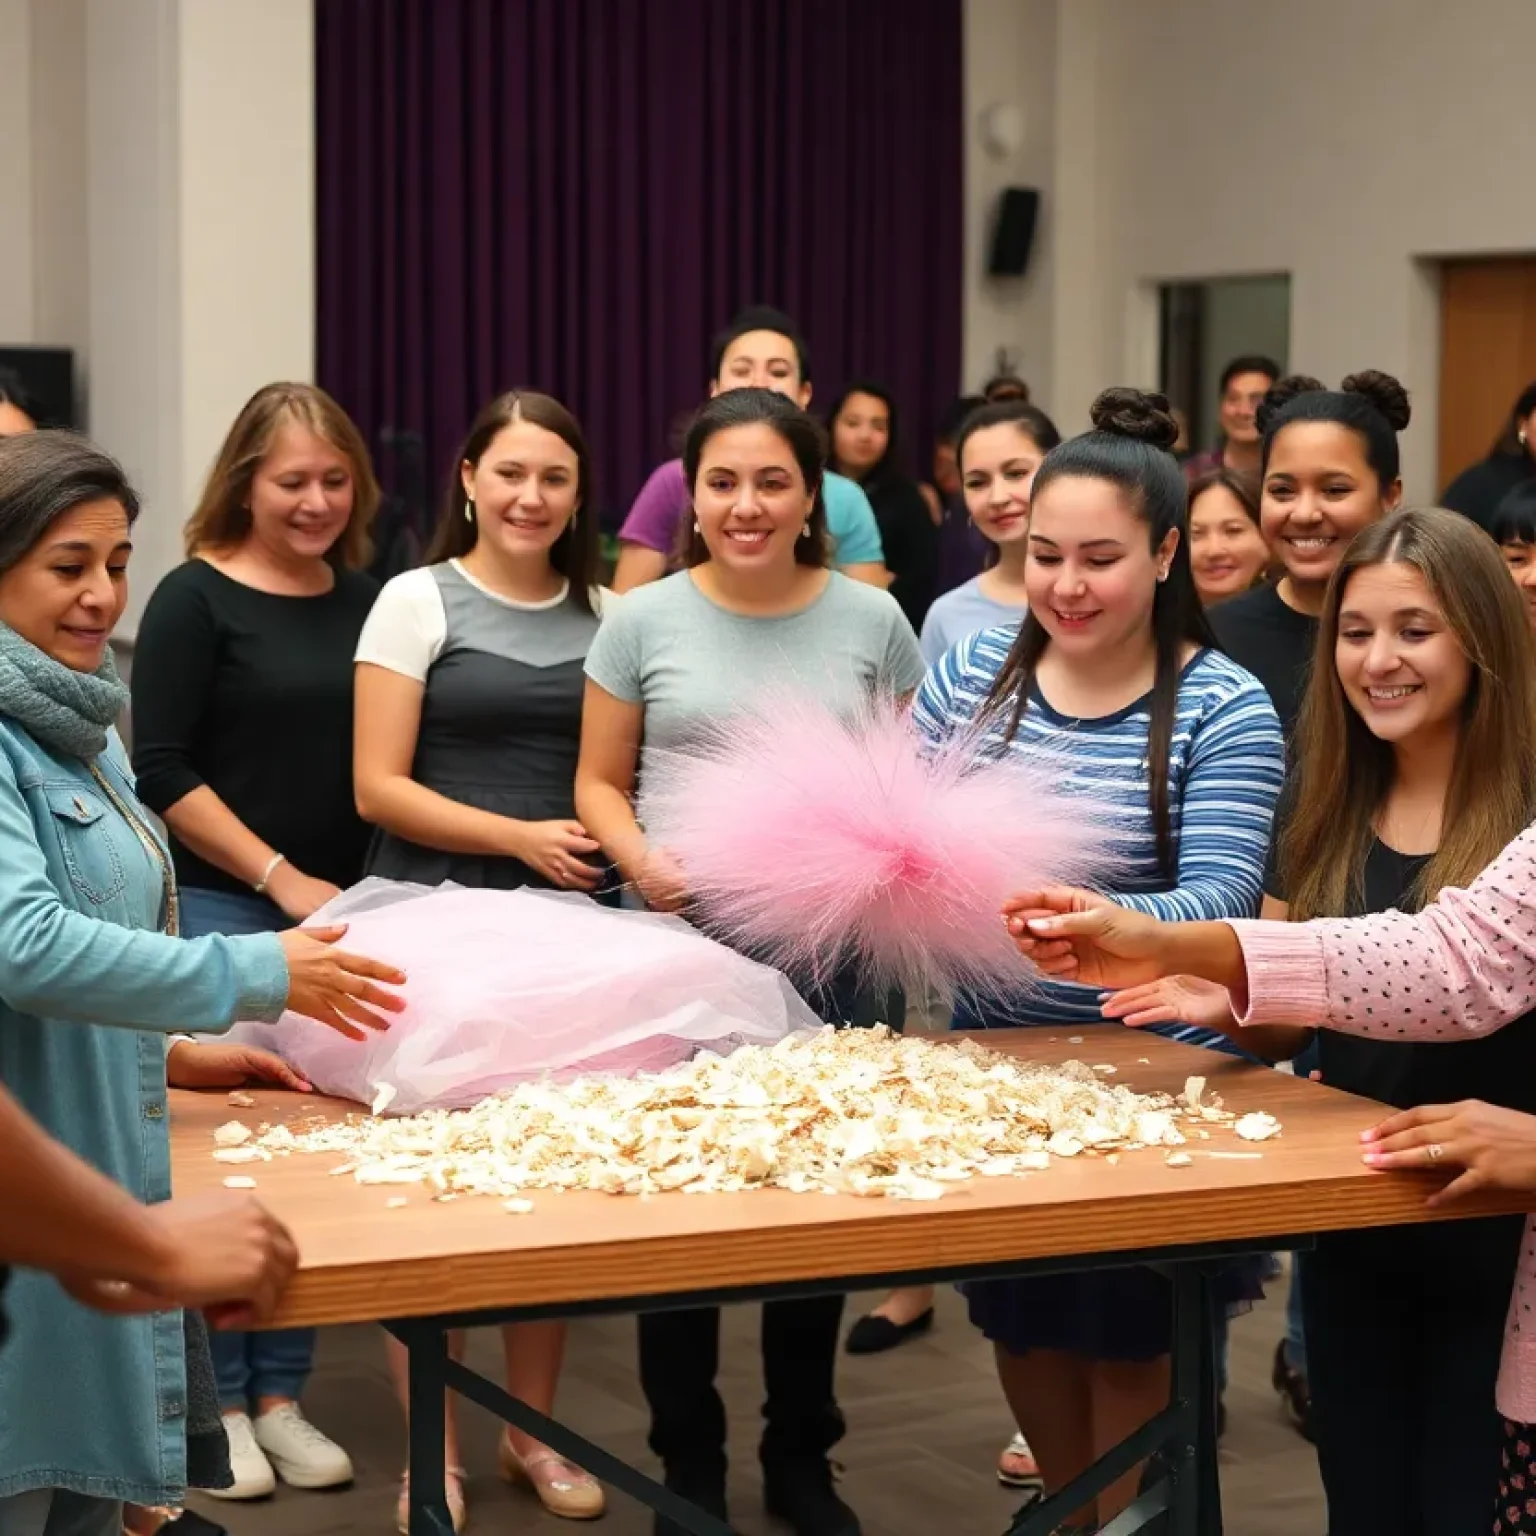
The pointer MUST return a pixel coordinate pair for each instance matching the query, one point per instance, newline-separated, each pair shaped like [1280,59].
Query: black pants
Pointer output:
[679,1358]
[1404,1326]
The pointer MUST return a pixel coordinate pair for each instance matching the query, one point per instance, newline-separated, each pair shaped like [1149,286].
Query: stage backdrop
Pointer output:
[575,194]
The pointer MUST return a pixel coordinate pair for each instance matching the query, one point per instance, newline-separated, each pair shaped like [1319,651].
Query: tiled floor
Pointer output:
[926,1424]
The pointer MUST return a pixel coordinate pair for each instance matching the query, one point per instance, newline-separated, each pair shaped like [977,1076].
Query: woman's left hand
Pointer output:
[193,1064]
[1495,1148]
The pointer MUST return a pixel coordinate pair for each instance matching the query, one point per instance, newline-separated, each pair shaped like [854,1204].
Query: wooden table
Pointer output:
[428,1267]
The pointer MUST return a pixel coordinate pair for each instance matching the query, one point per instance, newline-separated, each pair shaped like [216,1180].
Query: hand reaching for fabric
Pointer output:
[1494,1148]
[1173,1000]
[197,1064]
[340,990]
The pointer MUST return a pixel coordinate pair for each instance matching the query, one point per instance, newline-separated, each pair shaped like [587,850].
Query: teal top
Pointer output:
[89,989]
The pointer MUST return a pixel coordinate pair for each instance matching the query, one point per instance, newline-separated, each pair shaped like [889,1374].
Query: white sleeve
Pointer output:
[407,626]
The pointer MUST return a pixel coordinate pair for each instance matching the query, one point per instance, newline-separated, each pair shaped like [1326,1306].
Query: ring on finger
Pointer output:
[1434,1152]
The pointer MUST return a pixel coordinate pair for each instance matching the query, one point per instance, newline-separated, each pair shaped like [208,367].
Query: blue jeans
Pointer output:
[249,1366]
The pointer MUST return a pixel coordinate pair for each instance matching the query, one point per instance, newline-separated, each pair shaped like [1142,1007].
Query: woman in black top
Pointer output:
[862,427]
[1425,693]
[1329,464]
[242,724]
[1511,461]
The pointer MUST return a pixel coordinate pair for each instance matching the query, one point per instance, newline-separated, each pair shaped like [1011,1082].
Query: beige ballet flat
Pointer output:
[458,1511]
[562,1489]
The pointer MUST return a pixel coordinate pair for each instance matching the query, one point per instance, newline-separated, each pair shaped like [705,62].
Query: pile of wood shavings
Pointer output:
[859,1111]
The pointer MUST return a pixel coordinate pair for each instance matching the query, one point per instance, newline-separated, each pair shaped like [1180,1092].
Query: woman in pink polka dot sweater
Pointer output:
[1465,965]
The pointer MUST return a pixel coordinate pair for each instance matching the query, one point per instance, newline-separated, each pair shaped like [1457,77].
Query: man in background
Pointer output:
[760,349]
[1244,383]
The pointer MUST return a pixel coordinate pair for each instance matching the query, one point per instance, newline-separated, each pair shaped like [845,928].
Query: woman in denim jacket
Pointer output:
[94,1408]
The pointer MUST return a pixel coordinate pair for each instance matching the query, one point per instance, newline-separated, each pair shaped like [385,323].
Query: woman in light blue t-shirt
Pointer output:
[998,451]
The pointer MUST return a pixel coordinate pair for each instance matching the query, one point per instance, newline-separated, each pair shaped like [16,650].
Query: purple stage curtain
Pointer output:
[576,194]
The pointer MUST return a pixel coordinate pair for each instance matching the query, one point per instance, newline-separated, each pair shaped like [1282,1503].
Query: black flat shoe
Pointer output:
[874,1334]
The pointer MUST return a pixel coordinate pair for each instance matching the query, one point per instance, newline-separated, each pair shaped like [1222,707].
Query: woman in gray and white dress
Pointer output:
[468,721]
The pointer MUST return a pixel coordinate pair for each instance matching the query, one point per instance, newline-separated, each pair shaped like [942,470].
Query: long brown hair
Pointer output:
[574,553]
[1128,447]
[223,515]
[1344,773]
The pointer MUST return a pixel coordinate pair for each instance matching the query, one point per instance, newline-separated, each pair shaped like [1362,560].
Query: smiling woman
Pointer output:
[242,742]
[93,976]
[1329,469]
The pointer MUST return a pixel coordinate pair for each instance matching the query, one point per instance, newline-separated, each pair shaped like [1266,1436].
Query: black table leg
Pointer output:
[428,1349]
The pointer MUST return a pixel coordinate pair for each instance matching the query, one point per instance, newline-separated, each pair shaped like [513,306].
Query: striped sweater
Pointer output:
[1225,768]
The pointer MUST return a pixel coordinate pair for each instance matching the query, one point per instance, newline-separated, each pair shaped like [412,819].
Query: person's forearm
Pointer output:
[871,573]
[420,815]
[216,835]
[638,566]
[57,1213]
[1207,950]
[609,816]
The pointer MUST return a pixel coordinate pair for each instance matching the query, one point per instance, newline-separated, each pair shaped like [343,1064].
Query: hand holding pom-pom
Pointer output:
[661,882]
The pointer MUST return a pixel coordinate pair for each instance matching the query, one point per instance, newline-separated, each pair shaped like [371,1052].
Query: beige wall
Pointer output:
[1010,60]
[157,204]
[1346,143]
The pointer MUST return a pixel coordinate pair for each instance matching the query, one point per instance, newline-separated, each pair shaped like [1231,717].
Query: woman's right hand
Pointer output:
[338,989]
[660,880]
[1174,1000]
[1080,936]
[559,851]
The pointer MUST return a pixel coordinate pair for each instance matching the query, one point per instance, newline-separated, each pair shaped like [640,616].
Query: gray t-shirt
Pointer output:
[689,661]
[959,614]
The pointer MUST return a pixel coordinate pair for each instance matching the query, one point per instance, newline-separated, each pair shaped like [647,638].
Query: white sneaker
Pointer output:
[254,1478]
[302,1456]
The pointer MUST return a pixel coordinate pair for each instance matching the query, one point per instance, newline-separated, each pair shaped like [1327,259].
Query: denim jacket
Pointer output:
[89,990]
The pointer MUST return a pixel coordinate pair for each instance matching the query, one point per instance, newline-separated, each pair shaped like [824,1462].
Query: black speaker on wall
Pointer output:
[45,379]
[1014,232]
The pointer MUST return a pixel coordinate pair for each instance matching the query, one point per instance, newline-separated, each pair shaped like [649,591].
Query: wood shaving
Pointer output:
[238,1100]
[1257,1127]
[859,1111]
[1178,1160]
[239,1181]
[395,1202]
[246,1154]
[232,1134]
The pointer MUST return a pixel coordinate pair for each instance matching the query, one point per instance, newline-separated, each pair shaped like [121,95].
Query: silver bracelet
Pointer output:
[261,885]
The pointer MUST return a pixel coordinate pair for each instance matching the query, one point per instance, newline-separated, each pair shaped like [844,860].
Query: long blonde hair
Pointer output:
[223,515]
[1344,773]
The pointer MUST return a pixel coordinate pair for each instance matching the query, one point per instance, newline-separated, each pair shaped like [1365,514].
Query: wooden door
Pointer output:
[1487,353]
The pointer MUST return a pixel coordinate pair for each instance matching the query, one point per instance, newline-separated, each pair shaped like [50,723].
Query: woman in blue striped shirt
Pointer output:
[1113,674]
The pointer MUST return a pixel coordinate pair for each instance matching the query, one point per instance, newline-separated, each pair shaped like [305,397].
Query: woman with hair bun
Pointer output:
[1328,468]
[1114,672]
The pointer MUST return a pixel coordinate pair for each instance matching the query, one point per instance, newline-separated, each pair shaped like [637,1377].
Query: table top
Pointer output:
[364,1260]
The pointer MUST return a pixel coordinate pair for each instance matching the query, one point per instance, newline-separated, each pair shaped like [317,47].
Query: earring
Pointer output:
[696,529]
[469,507]
[805,532]
[1520,435]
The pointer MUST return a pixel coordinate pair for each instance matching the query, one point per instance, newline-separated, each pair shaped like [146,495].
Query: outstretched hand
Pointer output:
[1077,935]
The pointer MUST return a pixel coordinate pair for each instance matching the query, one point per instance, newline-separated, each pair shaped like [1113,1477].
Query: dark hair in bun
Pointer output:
[1127,449]
[1144,418]
[1371,404]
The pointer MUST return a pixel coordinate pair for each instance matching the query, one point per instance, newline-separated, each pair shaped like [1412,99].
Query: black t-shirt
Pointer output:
[1499,1068]
[1274,642]
[251,694]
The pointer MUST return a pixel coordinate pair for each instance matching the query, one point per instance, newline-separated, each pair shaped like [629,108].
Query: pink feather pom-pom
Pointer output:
[815,842]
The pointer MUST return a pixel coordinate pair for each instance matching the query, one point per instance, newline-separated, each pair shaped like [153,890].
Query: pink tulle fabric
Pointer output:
[509,985]
[819,843]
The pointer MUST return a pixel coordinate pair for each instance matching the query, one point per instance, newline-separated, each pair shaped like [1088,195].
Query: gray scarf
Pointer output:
[69,711]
